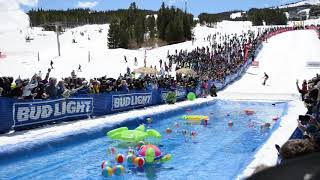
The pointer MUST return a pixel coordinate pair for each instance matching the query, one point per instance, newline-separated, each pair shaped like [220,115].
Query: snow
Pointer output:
[301,3]
[232,25]
[287,15]
[236,15]
[307,22]
[283,58]
[12,17]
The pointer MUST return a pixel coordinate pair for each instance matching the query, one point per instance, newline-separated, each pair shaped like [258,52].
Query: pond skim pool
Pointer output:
[219,150]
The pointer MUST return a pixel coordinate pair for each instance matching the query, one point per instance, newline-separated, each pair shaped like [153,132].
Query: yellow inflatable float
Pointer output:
[197,118]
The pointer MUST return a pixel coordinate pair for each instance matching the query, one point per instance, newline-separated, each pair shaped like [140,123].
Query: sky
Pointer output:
[194,6]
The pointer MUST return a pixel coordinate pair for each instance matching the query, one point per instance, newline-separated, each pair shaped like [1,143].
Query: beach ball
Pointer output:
[107,171]
[191,96]
[111,150]
[140,144]
[104,164]
[149,120]
[118,170]
[130,159]
[184,132]
[193,134]
[230,123]
[139,161]
[168,130]
[120,158]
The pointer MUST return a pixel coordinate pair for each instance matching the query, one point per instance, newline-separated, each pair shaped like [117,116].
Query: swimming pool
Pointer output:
[217,152]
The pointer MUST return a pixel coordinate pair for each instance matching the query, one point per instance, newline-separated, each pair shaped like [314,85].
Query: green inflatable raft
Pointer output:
[138,134]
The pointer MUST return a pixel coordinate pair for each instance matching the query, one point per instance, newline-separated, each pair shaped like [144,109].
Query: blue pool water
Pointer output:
[217,152]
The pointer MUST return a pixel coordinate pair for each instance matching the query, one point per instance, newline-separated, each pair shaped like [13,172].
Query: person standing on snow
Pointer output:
[135,61]
[266,77]
[51,64]
[79,68]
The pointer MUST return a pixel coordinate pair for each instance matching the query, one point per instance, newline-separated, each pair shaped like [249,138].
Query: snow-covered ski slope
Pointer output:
[284,58]
[12,17]
[23,56]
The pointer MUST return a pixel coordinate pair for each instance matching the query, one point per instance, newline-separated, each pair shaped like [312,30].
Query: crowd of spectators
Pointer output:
[48,87]
[308,124]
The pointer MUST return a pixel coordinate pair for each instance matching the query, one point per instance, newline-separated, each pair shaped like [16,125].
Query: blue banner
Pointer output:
[27,113]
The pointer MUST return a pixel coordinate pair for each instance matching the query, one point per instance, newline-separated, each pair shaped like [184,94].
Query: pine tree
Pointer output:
[139,30]
[151,23]
[114,34]
[123,35]
[162,21]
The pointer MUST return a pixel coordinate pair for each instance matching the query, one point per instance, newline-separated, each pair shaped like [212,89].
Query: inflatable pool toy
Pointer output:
[118,170]
[130,159]
[193,134]
[152,154]
[230,124]
[112,150]
[125,135]
[107,171]
[168,131]
[149,120]
[196,118]
[139,161]
[249,112]
[119,158]
[191,96]
[104,164]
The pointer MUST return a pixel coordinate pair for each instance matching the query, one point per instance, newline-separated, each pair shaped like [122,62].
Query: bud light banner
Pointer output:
[130,101]
[27,113]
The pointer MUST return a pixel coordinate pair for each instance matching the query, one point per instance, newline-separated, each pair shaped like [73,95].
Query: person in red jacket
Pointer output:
[304,89]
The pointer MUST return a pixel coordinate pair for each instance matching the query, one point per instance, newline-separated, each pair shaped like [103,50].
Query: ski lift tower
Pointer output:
[145,58]
[57,26]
